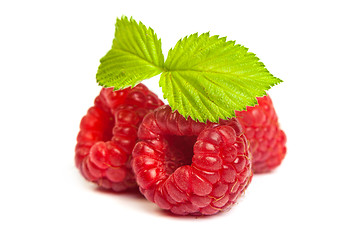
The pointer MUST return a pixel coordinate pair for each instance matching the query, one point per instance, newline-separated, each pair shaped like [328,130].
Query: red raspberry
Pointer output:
[108,134]
[190,167]
[267,140]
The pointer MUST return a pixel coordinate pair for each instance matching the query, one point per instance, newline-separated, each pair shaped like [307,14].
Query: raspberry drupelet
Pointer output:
[191,168]
[267,140]
[108,133]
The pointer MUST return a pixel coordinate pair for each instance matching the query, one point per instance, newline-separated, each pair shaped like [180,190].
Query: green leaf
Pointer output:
[207,78]
[135,55]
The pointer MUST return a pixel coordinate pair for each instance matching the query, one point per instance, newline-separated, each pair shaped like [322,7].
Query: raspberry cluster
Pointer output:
[108,133]
[190,167]
[267,140]
[128,139]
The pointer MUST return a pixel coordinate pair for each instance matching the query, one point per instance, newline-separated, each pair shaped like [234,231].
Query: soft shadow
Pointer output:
[133,193]
[169,214]
[138,202]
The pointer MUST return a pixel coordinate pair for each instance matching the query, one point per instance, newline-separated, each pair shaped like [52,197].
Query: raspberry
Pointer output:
[189,167]
[267,140]
[108,134]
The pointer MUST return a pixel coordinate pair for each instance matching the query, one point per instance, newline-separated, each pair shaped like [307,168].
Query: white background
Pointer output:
[49,54]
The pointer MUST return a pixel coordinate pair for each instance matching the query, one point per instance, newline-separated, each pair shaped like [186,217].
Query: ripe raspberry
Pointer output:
[190,167]
[108,134]
[267,140]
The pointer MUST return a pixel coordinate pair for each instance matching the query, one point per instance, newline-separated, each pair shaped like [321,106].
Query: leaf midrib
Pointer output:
[140,58]
[203,71]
